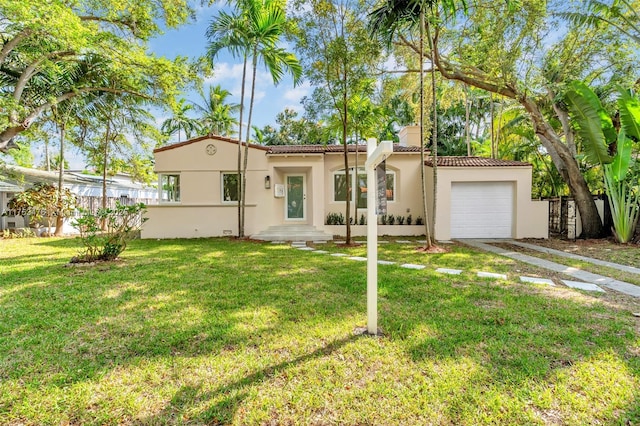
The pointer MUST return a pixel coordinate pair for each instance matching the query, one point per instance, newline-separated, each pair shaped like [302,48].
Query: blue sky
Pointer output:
[189,40]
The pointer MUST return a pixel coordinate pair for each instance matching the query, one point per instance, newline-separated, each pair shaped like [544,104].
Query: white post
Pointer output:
[374,156]
[372,243]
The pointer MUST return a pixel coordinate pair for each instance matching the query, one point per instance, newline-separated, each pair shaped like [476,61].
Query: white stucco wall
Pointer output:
[531,218]
[201,211]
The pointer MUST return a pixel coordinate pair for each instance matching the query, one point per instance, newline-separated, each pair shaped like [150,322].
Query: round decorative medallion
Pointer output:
[211,149]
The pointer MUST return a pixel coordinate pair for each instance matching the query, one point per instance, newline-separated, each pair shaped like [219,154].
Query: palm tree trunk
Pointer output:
[422,171]
[105,154]
[239,180]
[47,157]
[356,189]
[59,218]
[434,135]
[467,112]
[493,147]
[248,139]
[346,166]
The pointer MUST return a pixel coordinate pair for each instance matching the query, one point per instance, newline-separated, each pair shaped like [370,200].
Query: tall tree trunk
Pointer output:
[239,180]
[568,167]
[47,157]
[467,127]
[59,218]
[493,146]
[105,154]
[422,144]
[434,135]
[357,179]
[248,138]
[347,174]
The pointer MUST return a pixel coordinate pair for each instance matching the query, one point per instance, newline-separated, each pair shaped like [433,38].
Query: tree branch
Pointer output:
[31,70]
[16,127]
[11,44]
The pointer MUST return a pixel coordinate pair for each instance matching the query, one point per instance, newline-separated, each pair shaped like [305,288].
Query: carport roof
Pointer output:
[475,162]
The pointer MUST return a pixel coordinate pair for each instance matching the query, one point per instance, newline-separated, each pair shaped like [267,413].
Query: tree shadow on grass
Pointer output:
[516,333]
[91,319]
[234,393]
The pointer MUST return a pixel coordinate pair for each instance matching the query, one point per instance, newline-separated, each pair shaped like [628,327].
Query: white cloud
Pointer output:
[297,93]
[295,107]
[225,71]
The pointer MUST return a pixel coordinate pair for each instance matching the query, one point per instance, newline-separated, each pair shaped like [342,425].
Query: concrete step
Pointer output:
[292,233]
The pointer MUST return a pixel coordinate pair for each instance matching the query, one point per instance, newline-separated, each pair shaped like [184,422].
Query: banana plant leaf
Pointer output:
[622,159]
[629,114]
[594,125]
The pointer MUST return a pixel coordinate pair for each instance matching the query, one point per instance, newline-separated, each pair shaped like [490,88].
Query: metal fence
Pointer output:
[564,216]
[94,203]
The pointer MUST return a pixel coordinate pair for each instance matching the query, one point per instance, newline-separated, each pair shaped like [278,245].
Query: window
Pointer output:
[230,188]
[170,185]
[340,186]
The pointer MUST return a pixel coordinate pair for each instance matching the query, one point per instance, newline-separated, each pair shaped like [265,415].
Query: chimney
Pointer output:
[409,136]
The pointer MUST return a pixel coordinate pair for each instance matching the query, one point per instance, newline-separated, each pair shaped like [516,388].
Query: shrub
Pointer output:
[362,220]
[383,219]
[400,220]
[392,219]
[335,219]
[122,225]
[40,205]
[409,220]
[18,233]
[419,220]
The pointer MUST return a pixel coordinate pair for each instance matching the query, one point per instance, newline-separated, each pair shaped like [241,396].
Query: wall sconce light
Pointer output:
[267,182]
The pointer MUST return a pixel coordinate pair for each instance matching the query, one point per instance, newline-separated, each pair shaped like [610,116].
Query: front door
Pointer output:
[296,196]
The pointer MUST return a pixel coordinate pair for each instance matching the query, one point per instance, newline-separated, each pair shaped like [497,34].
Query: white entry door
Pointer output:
[482,209]
[296,198]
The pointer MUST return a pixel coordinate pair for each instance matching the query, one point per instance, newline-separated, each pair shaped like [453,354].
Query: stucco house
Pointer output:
[292,189]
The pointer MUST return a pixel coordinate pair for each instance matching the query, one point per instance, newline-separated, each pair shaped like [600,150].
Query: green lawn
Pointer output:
[215,331]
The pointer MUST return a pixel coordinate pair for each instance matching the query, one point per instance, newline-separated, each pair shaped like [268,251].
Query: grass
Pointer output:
[216,331]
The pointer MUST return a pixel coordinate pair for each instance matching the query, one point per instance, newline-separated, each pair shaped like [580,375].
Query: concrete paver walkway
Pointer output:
[613,284]
[592,280]
[624,268]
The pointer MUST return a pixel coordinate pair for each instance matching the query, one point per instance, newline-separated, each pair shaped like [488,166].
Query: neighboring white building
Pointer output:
[87,188]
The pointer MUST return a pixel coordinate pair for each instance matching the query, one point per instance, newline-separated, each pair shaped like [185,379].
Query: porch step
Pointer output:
[292,233]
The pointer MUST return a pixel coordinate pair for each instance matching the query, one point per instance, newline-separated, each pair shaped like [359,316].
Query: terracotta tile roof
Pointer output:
[201,138]
[295,149]
[320,149]
[474,162]
[287,149]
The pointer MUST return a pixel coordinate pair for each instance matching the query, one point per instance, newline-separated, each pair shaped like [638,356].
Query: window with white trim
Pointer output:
[340,186]
[170,184]
[230,190]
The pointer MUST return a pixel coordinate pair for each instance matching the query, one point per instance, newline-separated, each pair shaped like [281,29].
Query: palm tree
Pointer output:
[390,19]
[623,15]
[181,122]
[252,32]
[218,115]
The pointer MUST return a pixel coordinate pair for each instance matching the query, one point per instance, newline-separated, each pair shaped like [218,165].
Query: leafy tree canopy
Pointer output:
[53,51]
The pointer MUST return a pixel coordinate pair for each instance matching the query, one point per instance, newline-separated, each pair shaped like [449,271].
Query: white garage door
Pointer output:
[482,209]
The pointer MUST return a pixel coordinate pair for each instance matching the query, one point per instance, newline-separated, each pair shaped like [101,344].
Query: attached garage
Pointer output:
[482,209]
[485,198]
